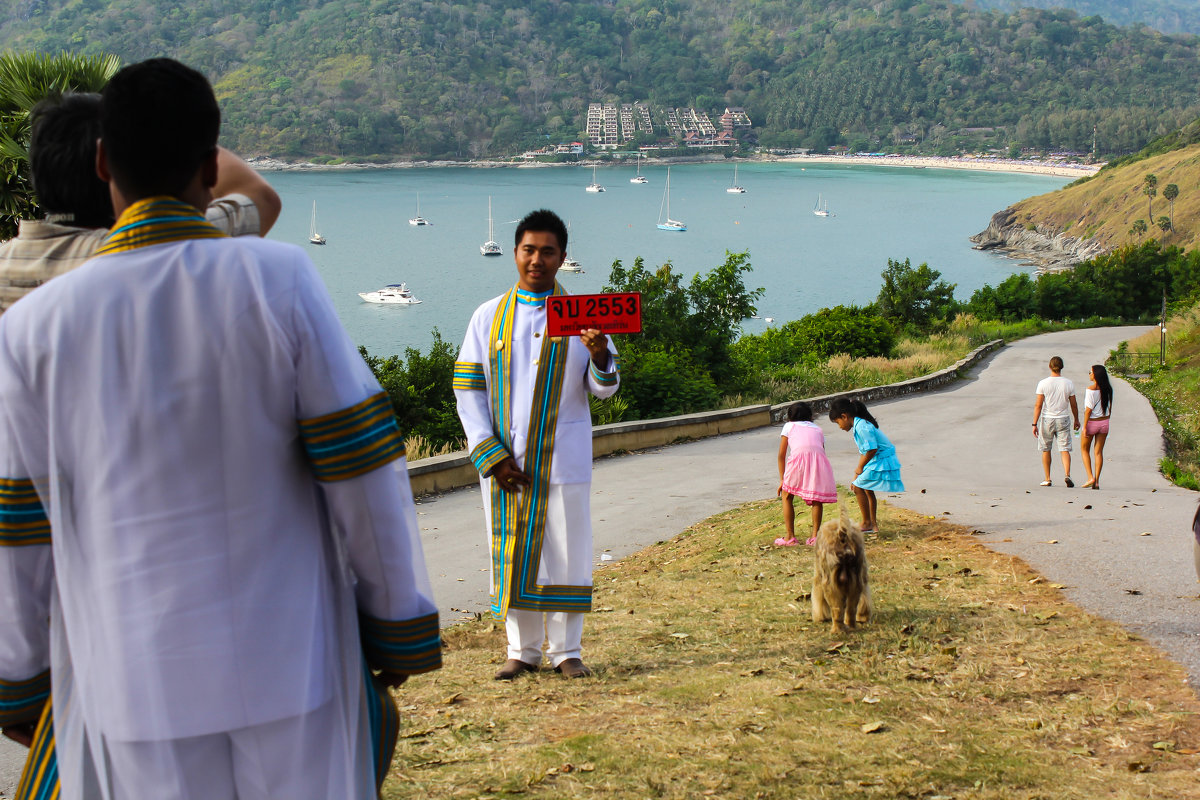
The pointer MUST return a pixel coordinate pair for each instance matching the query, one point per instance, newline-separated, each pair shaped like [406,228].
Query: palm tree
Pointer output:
[1139,227]
[1170,192]
[26,79]
[1163,223]
[1151,182]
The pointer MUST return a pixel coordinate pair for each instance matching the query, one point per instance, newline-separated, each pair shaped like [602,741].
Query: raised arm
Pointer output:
[235,176]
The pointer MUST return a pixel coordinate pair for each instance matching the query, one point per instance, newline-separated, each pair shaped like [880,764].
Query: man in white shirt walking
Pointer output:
[1052,414]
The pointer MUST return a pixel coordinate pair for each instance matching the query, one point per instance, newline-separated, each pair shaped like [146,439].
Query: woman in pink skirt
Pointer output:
[804,471]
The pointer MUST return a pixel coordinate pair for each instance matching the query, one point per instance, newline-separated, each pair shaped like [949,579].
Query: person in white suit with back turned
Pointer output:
[202,488]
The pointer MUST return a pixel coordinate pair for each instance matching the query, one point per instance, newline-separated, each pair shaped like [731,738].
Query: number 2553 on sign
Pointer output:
[568,314]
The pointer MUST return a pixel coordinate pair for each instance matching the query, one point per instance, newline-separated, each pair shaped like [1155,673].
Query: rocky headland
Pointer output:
[1041,244]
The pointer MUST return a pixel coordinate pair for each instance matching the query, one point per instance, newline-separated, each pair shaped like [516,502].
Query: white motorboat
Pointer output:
[418,219]
[670,224]
[570,265]
[392,294]
[821,209]
[593,186]
[313,236]
[639,178]
[733,187]
[491,247]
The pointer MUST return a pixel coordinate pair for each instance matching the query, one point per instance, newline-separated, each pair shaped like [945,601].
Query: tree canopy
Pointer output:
[465,78]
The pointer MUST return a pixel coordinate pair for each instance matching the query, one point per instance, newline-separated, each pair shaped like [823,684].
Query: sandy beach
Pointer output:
[1059,168]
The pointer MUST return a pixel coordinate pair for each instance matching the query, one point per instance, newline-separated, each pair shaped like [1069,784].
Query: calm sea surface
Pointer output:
[803,261]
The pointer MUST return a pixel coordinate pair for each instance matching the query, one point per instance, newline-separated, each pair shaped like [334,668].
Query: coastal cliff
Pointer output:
[1040,243]
[1102,213]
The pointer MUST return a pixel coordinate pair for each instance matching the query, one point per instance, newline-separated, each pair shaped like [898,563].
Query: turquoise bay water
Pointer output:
[804,262]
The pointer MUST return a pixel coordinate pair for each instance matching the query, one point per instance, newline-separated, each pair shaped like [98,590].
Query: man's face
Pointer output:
[538,258]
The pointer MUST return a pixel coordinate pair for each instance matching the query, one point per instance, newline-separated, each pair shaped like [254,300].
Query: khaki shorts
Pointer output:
[1054,429]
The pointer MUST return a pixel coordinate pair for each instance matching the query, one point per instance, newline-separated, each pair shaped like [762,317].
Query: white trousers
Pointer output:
[566,559]
[298,758]
[561,632]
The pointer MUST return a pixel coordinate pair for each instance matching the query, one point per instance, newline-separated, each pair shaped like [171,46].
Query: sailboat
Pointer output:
[670,224]
[639,178]
[821,209]
[593,186]
[313,236]
[418,219]
[733,187]
[491,247]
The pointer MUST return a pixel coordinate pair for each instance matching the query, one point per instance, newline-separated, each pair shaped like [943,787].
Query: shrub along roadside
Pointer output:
[692,356]
[1174,394]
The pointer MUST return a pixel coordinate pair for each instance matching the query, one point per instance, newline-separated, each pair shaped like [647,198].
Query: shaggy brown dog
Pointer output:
[840,582]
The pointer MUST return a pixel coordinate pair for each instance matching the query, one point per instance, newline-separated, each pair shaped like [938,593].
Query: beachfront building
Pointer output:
[602,126]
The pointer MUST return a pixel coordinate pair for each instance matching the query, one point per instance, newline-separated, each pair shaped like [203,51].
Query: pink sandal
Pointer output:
[811,541]
[782,542]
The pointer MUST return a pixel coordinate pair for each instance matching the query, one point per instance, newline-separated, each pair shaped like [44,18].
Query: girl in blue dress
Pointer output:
[878,468]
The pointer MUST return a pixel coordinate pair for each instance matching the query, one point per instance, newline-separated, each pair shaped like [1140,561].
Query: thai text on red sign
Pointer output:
[568,314]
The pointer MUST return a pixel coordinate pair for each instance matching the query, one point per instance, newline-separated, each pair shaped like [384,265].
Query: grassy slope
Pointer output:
[1175,394]
[976,680]
[1105,207]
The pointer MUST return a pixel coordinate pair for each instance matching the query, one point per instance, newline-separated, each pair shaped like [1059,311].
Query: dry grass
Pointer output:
[977,677]
[417,447]
[1105,207]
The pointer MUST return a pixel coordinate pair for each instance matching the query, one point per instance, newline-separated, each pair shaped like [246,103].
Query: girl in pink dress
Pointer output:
[804,471]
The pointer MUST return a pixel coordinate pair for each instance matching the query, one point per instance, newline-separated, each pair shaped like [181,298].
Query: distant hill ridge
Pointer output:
[429,79]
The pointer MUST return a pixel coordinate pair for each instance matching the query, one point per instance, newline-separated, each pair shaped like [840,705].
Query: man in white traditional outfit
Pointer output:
[522,398]
[203,489]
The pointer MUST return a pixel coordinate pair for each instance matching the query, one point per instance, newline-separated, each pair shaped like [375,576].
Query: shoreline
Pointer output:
[1053,168]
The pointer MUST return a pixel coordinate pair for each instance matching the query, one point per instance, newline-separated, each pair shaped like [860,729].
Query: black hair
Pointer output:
[542,220]
[1105,387]
[800,412]
[851,406]
[62,160]
[159,121]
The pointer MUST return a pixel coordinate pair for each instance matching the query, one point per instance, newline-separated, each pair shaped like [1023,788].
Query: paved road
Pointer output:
[969,446]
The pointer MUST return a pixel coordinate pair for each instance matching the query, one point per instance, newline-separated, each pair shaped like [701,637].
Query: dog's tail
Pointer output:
[845,514]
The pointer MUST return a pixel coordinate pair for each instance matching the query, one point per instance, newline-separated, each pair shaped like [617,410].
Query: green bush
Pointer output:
[856,332]
[664,383]
[420,388]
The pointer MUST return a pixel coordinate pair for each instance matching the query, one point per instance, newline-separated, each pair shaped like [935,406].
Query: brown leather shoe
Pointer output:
[512,668]
[573,668]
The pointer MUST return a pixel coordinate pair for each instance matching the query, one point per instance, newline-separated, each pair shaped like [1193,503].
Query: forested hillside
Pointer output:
[464,78]
[1168,16]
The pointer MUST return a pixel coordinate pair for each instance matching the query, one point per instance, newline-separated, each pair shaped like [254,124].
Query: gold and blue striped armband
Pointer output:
[354,441]
[469,376]
[23,520]
[487,454]
[21,701]
[607,378]
[407,647]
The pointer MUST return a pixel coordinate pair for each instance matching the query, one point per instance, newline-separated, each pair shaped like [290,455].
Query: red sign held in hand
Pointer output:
[568,314]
